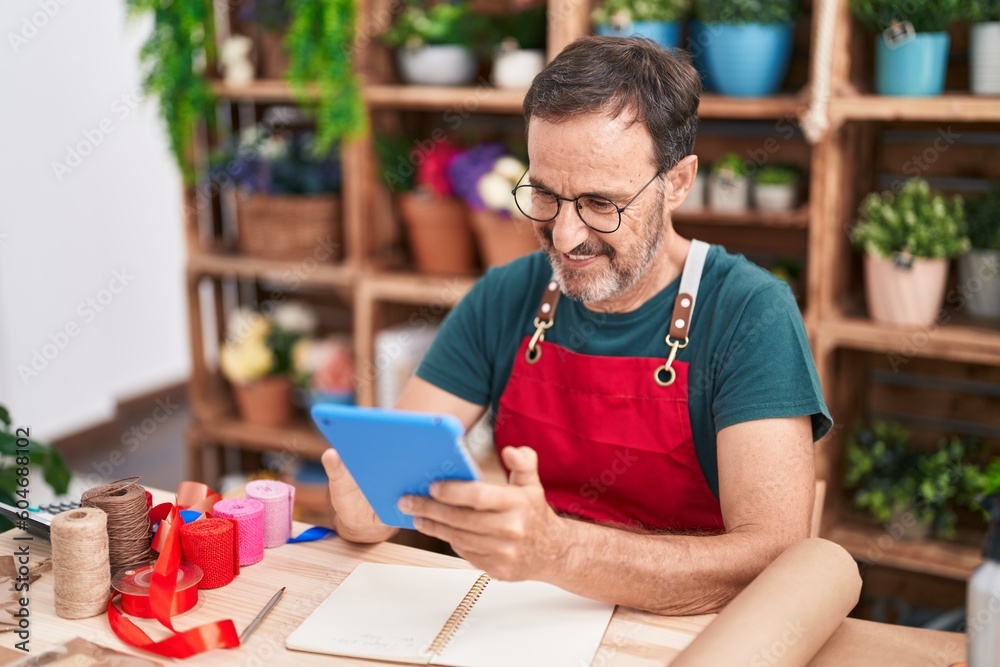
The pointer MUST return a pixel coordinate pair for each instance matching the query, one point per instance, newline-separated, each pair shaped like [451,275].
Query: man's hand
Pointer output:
[353,516]
[508,531]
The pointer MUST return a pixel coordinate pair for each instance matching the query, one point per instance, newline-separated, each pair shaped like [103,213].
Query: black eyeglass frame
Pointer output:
[576,201]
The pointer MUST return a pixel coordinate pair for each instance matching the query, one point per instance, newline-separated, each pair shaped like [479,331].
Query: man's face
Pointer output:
[597,155]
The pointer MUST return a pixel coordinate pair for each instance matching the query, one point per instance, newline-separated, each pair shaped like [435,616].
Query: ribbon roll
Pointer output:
[212,545]
[248,513]
[278,499]
[134,585]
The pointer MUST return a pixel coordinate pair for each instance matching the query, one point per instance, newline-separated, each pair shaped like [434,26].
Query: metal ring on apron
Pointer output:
[668,367]
[534,351]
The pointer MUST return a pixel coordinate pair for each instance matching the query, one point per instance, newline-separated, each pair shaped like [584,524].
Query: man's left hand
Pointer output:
[508,531]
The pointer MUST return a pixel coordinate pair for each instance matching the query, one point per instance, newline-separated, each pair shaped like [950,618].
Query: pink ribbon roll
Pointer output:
[278,499]
[248,514]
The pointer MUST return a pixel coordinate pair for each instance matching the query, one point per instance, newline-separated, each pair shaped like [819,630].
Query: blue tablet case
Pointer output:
[392,453]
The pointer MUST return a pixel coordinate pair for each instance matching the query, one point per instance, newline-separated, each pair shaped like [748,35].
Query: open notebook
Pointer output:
[455,618]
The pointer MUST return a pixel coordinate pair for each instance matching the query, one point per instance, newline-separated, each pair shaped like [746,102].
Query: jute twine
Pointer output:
[80,562]
[129,538]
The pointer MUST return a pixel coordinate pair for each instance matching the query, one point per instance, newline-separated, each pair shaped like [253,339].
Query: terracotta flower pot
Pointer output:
[503,239]
[905,297]
[265,402]
[439,235]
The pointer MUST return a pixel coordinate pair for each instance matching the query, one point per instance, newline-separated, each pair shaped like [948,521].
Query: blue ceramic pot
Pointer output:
[747,59]
[697,37]
[665,33]
[915,69]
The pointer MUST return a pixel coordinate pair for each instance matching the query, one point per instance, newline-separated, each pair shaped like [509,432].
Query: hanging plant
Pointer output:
[319,44]
[174,58]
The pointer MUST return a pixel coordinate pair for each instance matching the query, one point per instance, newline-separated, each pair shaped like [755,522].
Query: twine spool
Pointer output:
[248,514]
[212,545]
[278,499]
[80,562]
[124,501]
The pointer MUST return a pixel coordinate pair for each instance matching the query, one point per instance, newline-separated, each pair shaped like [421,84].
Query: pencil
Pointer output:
[260,617]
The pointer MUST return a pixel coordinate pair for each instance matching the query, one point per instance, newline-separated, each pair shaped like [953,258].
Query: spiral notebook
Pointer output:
[454,618]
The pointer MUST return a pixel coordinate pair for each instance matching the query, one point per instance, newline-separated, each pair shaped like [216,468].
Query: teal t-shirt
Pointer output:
[748,354]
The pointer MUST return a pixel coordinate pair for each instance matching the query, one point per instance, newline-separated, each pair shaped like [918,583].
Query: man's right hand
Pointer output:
[353,516]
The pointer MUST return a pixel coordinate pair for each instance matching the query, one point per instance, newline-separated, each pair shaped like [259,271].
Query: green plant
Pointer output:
[747,11]
[982,11]
[641,10]
[13,465]
[888,477]
[926,15]
[777,175]
[395,166]
[443,23]
[982,220]
[319,43]
[180,43]
[913,221]
[731,166]
[528,28]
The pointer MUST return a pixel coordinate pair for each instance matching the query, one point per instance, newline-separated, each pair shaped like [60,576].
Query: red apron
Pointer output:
[613,434]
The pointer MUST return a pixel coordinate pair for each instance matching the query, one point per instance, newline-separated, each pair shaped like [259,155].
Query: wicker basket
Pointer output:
[289,226]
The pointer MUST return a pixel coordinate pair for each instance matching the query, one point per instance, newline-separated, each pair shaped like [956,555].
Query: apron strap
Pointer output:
[680,318]
[543,320]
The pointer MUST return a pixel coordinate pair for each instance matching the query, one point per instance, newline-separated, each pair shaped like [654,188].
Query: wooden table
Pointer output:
[311,571]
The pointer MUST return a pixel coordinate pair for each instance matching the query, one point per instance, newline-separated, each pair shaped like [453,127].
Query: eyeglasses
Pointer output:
[597,212]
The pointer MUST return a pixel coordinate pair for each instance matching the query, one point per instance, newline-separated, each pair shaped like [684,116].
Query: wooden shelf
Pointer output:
[797,219]
[300,440]
[875,546]
[749,108]
[261,90]
[968,343]
[415,288]
[278,271]
[952,107]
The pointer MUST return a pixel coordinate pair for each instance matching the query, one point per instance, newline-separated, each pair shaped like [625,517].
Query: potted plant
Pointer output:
[911,47]
[979,268]
[436,223]
[256,358]
[483,177]
[776,188]
[984,46]
[324,369]
[913,492]
[658,21]
[287,199]
[435,45]
[747,45]
[728,184]
[907,239]
[520,52]
[40,457]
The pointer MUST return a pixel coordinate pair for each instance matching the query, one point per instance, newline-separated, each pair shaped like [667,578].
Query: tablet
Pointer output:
[392,453]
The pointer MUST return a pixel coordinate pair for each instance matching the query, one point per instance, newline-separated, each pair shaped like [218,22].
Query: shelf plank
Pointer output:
[796,219]
[964,342]
[873,545]
[955,107]
[305,272]
[416,288]
[300,440]
[486,99]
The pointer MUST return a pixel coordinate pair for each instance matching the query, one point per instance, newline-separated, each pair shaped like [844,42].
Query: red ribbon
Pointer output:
[139,605]
[218,634]
[214,546]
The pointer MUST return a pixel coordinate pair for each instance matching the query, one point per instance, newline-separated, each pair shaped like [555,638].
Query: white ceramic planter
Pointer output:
[979,282]
[437,65]
[984,58]
[517,68]
[905,297]
[730,195]
[773,198]
[695,200]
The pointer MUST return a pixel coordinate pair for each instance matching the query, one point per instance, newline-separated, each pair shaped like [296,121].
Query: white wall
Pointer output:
[69,79]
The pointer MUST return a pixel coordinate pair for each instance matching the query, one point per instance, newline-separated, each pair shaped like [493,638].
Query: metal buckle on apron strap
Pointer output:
[543,320]
[665,374]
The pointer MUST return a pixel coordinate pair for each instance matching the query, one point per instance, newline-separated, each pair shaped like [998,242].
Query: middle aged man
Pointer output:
[656,421]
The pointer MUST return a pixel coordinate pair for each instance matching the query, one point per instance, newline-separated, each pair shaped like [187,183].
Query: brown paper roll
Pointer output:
[785,615]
